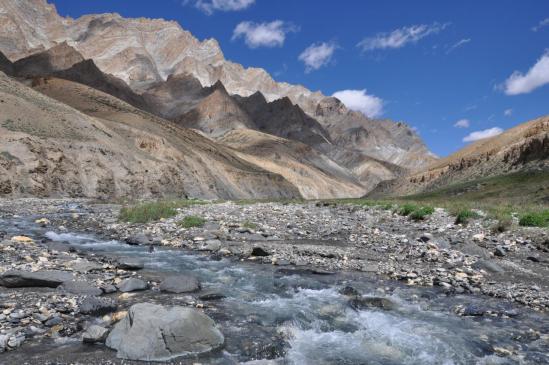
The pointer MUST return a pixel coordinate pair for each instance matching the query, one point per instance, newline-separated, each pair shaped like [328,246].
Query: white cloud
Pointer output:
[508,112]
[271,34]
[462,123]
[478,135]
[537,76]
[400,37]
[317,55]
[458,44]
[542,24]
[358,100]
[210,6]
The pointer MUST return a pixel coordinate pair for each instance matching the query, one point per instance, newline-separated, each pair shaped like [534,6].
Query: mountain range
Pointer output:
[140,107]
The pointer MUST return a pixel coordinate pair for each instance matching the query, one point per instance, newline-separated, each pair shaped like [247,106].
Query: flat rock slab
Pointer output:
[80,288]
[153,332]
[178,284]
[132,284]
[22,279]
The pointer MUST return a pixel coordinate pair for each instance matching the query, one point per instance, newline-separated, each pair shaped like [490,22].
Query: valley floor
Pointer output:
[314,238]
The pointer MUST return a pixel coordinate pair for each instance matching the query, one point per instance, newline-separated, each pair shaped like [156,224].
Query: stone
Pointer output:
[478,237]
[54,321]
[21,279]
[96,306]
[260,252]
[84,266]
[473,310]
[138,239]
[349,291]
[130,263]
[43,222]
[132,284]
[108,288]
[500,252]
[211,296]
[361,303]
[95,334]
[80,288]
[210,245]
[153,332]
[426,237]
[22,239]
[178,284]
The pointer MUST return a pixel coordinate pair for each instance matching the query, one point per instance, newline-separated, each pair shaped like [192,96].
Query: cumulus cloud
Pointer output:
[508,112]
[317,55]
[256,35]
[462,123]
[537,76]
[210,6]
[400,37]
[478,135]
[542,24]
[358,100]
[461,43]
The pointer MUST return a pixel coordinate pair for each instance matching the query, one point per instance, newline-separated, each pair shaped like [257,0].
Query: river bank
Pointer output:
[314,256]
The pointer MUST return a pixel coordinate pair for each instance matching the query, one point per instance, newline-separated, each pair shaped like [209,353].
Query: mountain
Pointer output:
[145,52]
[67,139]
[520,149]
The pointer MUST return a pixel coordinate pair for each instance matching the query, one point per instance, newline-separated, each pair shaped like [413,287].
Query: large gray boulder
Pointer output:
[130,263]
[180,284]
[22,279]
[153,332]
[80,288]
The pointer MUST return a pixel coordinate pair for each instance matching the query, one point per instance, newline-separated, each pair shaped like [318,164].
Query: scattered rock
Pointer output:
[21,279]
[259,252]
[96,306]
[95,334]
[361,303]
[132,284]
[80,288]
[130,263]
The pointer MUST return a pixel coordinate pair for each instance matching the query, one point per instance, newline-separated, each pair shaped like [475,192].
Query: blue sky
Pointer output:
[430,63]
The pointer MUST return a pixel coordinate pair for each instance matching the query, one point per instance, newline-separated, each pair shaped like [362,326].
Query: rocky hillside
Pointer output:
[523,148]
[87,143]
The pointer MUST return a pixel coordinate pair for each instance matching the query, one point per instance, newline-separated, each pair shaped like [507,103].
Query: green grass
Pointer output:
[154,211]
[535,219]
[407,209]
[191,221]
[463,216]
[421,213]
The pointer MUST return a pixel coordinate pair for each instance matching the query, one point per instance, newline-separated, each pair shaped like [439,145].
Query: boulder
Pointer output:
[153,332]
[260,252]
[21,279]
[488,266]
[180,284]
[139,239]
[130,263]
[95,334]
[361,303]
[132,284]
[96,306]
[80,288]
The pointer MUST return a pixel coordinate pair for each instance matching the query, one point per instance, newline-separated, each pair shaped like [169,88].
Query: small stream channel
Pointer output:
[301,318]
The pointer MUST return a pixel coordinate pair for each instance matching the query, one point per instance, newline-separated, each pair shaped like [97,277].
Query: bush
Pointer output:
[537,219]
[407,209]
[147,212]
[420,213]
[463,216]
[191,221]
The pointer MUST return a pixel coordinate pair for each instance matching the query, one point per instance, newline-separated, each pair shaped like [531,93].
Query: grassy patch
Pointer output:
[535,219]
[421,213]
[407,209]
[464,216]
[191,221]
[153,211]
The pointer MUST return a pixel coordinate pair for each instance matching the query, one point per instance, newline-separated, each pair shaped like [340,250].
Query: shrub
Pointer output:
[502,225]
[191,221]
[420,213]
[147,212]
[407,209]
[536,219]
[464,215]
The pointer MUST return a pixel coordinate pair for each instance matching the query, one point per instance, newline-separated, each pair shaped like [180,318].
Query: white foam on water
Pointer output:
[69,237]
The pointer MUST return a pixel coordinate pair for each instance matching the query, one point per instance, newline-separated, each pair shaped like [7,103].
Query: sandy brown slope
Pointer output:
[522,148]
[313,173]
[109,149]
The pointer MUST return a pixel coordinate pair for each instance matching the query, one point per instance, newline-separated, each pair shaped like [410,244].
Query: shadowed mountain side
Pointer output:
[6,66]
[519,149]
[313,173]
[110,149]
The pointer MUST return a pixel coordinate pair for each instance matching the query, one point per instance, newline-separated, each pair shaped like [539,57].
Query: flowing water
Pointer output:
[299,317]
